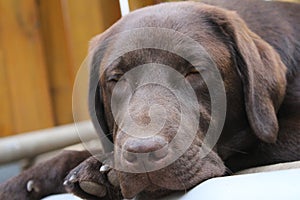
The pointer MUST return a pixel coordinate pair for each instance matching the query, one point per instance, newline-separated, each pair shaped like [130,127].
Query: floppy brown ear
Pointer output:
[262,73]
[95,100]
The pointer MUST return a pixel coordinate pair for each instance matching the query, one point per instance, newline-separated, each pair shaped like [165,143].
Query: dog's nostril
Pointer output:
[159,154]
[129,156]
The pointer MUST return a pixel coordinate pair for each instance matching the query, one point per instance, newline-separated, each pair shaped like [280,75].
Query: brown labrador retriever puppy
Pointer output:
[256,51]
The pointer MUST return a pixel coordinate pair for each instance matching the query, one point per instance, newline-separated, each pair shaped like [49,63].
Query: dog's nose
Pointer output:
[152,149]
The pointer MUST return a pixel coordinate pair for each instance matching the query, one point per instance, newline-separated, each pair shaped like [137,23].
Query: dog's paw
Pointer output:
[93,180]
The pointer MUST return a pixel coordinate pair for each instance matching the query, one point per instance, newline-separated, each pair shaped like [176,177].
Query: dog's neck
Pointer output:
[290,108]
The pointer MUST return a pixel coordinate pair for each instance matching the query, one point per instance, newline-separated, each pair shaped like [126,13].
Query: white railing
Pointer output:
[124,5]
[31,144]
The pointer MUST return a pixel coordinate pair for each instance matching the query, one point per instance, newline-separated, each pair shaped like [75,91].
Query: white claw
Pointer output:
[30,186]
[72,178]
[66,182]
[104,168]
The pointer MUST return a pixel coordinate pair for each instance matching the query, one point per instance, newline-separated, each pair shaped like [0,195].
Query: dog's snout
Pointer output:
[152,149]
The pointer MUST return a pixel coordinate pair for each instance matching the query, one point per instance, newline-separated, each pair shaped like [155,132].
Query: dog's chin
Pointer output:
[185,173]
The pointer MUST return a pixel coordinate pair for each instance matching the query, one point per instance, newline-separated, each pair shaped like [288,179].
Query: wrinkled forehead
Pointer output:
[192,38]
[154,45]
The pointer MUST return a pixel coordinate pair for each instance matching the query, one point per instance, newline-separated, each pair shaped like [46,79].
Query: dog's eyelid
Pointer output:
[195,70]
[114,77]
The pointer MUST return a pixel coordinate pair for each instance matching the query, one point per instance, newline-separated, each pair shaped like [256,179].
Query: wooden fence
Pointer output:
[42,44]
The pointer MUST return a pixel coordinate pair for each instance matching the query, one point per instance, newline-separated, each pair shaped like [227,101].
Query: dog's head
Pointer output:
[129,95]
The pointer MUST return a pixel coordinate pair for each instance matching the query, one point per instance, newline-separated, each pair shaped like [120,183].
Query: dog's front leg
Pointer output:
[94,179]
[43,179]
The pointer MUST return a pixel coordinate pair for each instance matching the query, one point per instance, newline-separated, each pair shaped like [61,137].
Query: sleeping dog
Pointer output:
[147,71]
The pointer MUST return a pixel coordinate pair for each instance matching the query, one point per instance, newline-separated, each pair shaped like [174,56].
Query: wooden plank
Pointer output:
[110,12]
[135,4]
[58,59]
[6,123]
[297,1]
[25,66]
[83,21]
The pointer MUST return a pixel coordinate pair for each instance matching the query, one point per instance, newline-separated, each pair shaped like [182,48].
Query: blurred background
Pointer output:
[42,45]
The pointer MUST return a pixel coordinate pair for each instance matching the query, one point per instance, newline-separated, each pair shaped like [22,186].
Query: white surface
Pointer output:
[277,185]
[62,197]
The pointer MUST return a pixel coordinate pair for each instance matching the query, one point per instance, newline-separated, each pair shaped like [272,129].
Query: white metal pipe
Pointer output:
[31,144]
[124,5]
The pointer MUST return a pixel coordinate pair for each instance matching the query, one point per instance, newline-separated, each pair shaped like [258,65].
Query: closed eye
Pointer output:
[192,72]
[114,77]
[196,77]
